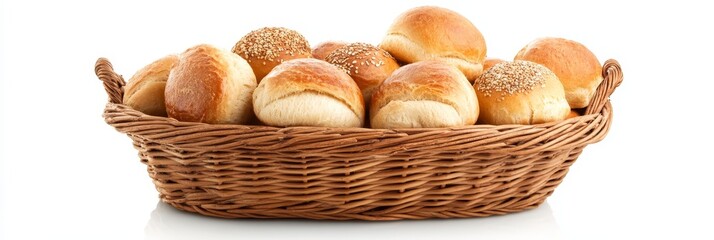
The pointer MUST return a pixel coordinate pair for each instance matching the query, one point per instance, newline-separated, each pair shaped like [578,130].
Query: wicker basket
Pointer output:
[238,171]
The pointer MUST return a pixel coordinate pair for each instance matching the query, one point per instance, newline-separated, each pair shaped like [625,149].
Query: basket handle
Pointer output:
[612,77]
[113,82]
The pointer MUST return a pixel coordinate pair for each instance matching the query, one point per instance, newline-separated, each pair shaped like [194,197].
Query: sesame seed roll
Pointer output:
[367,64]
[520,92]
[267,47]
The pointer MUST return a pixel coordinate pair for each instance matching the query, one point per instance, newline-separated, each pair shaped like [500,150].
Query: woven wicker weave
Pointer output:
[237,171]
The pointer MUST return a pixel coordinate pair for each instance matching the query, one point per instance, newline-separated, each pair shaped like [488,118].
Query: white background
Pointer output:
[68,175]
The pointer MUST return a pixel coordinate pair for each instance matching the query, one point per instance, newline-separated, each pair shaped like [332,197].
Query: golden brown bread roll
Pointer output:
[577,68]
[366,64]
[145,90]
[520,92]
[322,50]
[425,94]
[267,47]
[308,92]
[210,85]
[426,33]
[489,62]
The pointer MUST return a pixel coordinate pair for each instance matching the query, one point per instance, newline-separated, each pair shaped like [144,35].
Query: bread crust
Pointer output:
[144,91]
[417,87]
[267,47]
[322,50]
[520,92]
[489,62]
[368,65]
[315,78]
[434,33]
[210,85]
[576,66]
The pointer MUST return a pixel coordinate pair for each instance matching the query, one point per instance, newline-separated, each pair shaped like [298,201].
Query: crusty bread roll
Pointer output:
[520,92]
[426,94]
[366,64]
[145,90]
[576,67]
[210,85]
[267,47]
[489,62]
[308,92]
[425,33]
[322,50]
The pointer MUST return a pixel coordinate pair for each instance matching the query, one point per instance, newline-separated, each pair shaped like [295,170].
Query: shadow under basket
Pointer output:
[241,171]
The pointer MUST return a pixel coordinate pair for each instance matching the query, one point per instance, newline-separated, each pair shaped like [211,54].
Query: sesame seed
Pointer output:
[270,43]
[509,78]
[351,56]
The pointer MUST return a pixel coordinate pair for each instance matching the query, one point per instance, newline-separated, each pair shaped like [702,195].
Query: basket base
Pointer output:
[326,214]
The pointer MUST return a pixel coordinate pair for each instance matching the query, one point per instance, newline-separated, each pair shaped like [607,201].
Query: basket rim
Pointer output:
[140,115]
[589,128]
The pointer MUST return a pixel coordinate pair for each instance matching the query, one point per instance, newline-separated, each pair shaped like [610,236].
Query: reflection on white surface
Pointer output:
[169,223]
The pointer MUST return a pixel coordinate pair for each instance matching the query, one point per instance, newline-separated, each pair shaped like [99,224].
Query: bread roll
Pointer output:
[322,50]
[426,94]
[366,64]
[425,33]
[489,62]
[520,92]
[145,90]
[267,47]
[210,85]
[576,67]
[308,92]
